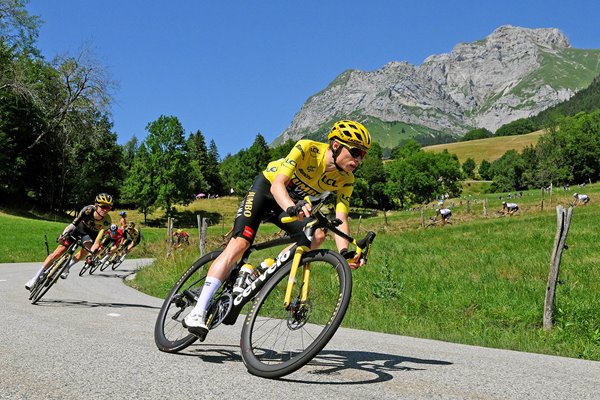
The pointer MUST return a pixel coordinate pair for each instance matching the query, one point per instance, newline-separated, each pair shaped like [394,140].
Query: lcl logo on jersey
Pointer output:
[314,151]
[328,181]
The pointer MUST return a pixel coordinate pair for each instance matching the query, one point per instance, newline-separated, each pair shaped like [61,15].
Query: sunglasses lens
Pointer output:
[357,153]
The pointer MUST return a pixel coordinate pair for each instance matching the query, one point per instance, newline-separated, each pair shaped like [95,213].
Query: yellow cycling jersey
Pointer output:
[305,166]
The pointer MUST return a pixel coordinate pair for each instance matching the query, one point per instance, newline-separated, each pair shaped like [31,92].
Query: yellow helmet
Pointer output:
[352,133]
[104,198]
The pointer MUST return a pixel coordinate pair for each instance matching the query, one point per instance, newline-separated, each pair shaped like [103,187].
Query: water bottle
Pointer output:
[245,277]
[266,264]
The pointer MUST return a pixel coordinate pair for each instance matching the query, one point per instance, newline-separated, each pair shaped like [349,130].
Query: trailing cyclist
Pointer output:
[123,220]
[133,237]
[581,199]
[112,238]
[180,238]
[88,224]
[444,214]
[310,168]
[510,208]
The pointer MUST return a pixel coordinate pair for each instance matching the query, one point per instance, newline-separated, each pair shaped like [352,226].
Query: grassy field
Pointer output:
[479,281]
[487,149]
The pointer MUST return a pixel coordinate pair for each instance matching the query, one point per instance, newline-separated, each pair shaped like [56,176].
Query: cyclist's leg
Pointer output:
[86,240]
[246,224]
[59,251]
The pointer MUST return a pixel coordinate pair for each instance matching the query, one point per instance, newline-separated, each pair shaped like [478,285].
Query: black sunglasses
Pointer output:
[355,152]
[105,207]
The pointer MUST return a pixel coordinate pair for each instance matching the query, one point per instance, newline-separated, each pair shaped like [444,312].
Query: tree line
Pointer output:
[59,148]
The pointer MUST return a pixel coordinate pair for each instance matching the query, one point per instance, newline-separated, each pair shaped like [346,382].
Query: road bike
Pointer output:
[118,256]
[49,277]
[95,261]
[297,304]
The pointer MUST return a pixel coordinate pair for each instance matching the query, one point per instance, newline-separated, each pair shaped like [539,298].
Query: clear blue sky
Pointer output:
[233,69]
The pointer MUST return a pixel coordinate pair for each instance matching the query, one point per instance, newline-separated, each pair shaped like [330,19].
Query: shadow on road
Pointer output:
[91,304]
[361,367]
[336,366]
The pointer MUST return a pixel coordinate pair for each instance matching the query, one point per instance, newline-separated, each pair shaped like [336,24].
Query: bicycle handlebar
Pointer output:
[76,236]
[317,202]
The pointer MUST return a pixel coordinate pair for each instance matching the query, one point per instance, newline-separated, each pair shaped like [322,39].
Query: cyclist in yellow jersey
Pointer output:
[310,168]
[89,225]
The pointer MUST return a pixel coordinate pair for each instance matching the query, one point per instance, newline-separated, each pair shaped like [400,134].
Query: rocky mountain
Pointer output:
[513,73]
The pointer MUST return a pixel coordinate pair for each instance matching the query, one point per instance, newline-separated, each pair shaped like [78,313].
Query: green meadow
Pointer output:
[480,280]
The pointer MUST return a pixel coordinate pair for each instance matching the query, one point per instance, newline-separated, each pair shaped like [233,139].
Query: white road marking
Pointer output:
[113,314]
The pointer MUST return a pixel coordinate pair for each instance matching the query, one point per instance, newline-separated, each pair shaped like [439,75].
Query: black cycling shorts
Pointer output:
[258,206]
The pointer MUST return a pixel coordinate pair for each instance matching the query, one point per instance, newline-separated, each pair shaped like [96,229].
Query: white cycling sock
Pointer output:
[37,274]
[71,263]
[211,285]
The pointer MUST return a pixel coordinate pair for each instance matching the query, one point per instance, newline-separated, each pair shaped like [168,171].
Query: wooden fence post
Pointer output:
[563,221]
[422,218]
[203,236]
[485,207]
[542,201]
[169,235]
[199,220]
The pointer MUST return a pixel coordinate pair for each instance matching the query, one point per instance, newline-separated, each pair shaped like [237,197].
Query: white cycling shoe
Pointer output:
[65,273]
[195,324]
[30,283]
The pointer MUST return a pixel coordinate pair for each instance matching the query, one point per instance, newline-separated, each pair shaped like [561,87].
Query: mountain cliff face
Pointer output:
[513,73]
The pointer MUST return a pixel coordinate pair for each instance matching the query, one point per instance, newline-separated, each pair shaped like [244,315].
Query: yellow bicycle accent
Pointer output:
[292,278]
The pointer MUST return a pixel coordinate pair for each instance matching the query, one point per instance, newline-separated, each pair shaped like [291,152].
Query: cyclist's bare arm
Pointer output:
[281,195]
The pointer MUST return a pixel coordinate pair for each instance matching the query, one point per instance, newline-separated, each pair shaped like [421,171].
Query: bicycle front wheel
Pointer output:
[55,270]
[278,340]
[169,334]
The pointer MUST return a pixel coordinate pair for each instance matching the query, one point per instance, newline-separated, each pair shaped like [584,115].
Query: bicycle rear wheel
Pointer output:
[94,265]
[53,275]
[277,341]
[119,259]
[84,268]
[169,334]
[103,260]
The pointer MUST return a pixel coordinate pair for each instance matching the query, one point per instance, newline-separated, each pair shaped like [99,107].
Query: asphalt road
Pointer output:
[91,337]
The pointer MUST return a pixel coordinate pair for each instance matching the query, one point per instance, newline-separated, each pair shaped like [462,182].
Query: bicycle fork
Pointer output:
[300,250]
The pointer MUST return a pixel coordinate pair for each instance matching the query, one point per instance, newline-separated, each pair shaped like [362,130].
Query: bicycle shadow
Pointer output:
[91,304]
[352,367]
[359,365]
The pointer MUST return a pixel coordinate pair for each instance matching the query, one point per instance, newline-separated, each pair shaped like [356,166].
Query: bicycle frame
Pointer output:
[302,241]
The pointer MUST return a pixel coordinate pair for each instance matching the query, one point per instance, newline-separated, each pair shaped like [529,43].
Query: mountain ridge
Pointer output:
[512,73]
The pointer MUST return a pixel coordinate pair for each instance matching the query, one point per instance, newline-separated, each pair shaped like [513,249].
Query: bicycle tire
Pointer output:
[169,334]
[118,261]
[84,268]
[56,269]
[275,341]
[93,266]
[104,263]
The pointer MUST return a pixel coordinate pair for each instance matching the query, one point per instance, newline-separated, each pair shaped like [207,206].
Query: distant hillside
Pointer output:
[511,74]
[487,149]
[586,100]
